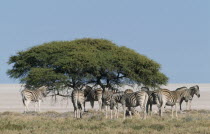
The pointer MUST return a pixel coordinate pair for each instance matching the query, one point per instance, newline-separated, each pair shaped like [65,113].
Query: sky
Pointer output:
[175,33]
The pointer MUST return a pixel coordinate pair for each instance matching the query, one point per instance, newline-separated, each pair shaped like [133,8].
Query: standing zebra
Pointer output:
[151,99]
[106,97]
[166,97]
[78,100]
[188,95]
[114,100]
[29,95]
[131,100]
[93,95]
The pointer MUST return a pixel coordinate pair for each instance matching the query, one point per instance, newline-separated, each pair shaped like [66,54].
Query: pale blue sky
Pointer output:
[173,33]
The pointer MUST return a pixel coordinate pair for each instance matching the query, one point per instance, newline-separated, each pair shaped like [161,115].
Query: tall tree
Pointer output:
[83,61]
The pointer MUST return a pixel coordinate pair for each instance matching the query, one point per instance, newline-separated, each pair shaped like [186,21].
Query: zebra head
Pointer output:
[195,90]
[43,91]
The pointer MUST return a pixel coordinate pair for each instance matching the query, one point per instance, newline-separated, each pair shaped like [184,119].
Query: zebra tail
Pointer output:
[23,98]
[158,97]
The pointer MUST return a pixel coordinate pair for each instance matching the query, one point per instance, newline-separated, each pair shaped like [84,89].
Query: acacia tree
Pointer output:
[84,61]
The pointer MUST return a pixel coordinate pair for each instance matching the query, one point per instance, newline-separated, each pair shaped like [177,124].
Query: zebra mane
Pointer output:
[145,89]
[180,88]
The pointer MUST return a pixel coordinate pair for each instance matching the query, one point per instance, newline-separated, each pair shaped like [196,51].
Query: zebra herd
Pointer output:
[111,99]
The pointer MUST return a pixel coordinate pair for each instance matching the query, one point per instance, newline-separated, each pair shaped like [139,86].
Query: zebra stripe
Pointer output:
[188,94]
[151,100]
[106,98]
[166,97]
[131,100]
[128,91]
[78,99]
[93,95]
[29,95]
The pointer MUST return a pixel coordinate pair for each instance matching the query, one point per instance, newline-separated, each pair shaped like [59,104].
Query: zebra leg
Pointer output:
[117,112]
[75,113]
[124,112]
[100,104]
[187,105]
[172,111]
[150,109]
[81,110]
[147,108]
[84,106]
[176,109]
[106,109]
[39,103]
[190,104]
[111,113]
[130,113]
[27,103]
[145,112]
[35,103]
[162,108]
[92,104]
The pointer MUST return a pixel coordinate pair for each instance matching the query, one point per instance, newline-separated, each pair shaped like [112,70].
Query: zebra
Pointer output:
[106,97]
[29,95]
[166,97]
[151,99]
[189,94]
[78,100]
[114,100]
[92,95]
[128,91]
[131,100]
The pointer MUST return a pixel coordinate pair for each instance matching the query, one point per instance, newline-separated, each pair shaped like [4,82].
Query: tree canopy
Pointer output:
[84,61]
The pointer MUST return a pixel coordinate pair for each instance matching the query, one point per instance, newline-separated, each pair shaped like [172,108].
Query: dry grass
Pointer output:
[192,122]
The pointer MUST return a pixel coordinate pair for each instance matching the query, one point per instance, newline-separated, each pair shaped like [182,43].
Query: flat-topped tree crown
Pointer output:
[82,61]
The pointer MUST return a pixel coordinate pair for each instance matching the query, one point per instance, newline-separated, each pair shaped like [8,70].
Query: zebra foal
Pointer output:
[36,96]
[78,100]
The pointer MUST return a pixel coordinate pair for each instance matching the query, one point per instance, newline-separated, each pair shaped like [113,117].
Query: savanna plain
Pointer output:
[58,117]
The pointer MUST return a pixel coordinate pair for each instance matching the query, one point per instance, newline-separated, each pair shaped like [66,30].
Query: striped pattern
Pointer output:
[166,97]
[131,100]
[128,91]
[115,100]
[78,99]
[93,95]
[185,96]
[106,98]
[188,94]
[151,100]
[36,96]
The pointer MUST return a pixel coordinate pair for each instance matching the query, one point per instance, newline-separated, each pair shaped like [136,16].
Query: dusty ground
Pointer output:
[10,99]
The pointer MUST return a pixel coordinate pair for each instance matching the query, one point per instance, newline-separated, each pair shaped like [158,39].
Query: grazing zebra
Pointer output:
[131,100]
[128,91]
[78,100]
[188,95]
[151,99]
[29,95]
[115,99]
[92,95]
[166,97]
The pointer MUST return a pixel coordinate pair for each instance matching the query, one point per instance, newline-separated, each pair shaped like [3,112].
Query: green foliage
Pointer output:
[72,63]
